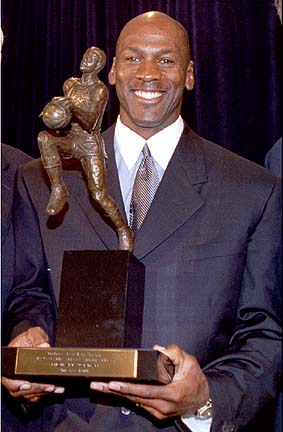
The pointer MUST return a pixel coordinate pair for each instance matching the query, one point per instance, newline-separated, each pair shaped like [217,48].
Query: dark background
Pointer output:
[236,48]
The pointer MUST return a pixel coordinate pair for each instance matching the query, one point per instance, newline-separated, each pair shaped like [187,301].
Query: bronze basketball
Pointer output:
[55,115]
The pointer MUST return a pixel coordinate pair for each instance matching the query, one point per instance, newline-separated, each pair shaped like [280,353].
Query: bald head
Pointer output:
[151,69]
[159,20]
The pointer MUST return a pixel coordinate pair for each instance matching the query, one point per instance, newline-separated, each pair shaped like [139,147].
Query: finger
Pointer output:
[126,389]
[150,405]
[37,336]
[37,390]
[49,389]
[33,390]
[184,364]
[160,408]
[15,385]
[21,341]
[174,353]
[59,390]
[100,387]
[159,348]
[141,390]
[165,368]
[42,388]
[34,397]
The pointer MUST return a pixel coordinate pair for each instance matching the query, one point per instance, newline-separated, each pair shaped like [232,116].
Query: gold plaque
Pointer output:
[94,363]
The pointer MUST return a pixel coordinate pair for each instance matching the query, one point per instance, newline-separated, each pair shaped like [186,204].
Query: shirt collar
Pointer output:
[161,145]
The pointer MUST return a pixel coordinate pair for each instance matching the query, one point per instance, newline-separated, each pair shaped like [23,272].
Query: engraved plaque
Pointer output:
[92,363]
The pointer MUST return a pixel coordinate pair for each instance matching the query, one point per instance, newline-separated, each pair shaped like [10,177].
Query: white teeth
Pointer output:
[148,95]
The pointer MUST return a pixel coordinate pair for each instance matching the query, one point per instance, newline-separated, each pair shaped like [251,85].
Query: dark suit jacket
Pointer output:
[11,158]
[210,248]
[273,162]
[273,159]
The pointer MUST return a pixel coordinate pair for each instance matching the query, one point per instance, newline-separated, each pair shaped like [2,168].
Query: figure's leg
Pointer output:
[52,163]
[94,169]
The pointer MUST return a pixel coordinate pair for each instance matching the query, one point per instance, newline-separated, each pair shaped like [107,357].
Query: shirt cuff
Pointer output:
[197,425]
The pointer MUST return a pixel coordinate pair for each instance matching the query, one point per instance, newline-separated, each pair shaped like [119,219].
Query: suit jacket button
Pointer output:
[125,411]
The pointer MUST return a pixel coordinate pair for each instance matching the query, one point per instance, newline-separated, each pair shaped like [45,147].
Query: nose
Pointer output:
[148,71]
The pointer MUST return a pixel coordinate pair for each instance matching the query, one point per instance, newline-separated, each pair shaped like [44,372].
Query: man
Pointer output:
[207,243]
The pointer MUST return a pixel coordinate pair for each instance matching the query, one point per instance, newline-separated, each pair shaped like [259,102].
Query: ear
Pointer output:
[189,83]
[112,73]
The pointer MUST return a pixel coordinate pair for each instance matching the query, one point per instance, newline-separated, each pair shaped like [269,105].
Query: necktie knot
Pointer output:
[146,151]
[144,165]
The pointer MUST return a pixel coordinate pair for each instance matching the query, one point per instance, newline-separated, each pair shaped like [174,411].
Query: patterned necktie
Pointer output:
[145,186]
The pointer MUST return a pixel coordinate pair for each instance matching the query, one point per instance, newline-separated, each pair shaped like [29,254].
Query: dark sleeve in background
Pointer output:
[273,159]
[11,158]
[273,162]
[13,418]
[30,302]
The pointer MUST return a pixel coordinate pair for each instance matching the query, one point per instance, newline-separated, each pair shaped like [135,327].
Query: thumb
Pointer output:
[37,336]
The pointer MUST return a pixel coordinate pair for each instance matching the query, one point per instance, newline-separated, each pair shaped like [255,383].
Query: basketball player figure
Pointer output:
[82,106]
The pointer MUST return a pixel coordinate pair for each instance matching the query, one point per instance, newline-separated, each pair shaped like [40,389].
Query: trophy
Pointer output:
[99,323]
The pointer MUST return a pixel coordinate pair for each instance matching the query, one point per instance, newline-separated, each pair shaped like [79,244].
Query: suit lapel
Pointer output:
[177,198]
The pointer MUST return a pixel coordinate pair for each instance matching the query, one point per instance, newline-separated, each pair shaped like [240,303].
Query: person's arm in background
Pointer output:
[11,158]
[30,316]
[273,162]
[273,159]
[30,303]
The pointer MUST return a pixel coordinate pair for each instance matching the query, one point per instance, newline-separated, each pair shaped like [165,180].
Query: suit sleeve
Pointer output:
[30,302]
[244,377]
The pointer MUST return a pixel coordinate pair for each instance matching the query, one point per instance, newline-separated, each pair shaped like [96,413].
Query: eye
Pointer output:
[132,59]
[166,61]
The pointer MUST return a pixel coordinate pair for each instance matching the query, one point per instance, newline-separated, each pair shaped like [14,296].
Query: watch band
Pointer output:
[205,411]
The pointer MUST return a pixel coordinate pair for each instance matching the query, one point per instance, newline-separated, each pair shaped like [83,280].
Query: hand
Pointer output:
[185,386]
[34,337]
[31,392]
[65,101]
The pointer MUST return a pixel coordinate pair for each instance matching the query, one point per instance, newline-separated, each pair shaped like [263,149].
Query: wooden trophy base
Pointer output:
[99,325]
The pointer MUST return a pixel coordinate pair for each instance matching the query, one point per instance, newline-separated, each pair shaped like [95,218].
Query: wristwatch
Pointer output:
[205,411]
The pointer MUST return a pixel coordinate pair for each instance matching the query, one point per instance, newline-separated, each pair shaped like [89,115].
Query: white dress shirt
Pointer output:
[128,147]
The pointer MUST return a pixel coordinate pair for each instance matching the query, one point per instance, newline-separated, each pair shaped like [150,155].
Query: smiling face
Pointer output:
[150,71]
